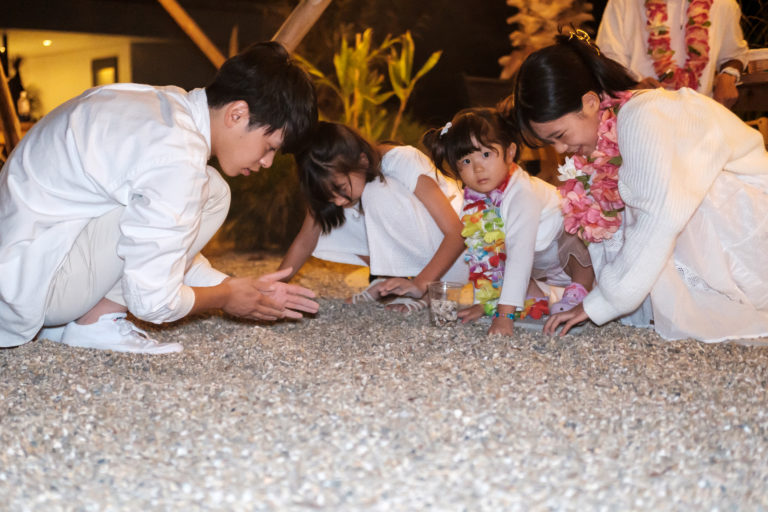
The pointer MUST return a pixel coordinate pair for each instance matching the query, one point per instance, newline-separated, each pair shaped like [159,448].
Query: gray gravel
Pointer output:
[364,409]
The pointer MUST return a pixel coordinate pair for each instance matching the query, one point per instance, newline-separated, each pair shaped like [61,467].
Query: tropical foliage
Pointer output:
[359,81]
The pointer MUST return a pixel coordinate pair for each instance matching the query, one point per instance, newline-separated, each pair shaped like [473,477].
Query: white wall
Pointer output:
[56,77]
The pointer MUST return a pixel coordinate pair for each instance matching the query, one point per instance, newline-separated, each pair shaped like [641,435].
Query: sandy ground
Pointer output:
[363,409]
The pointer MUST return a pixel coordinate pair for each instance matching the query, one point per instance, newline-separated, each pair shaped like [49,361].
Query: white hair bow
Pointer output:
[445,128]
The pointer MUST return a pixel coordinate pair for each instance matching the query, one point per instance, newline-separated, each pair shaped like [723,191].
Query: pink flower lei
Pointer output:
[591,202]
[696,42]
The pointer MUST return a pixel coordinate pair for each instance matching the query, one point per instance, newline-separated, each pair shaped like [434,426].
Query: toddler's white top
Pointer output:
[533,220]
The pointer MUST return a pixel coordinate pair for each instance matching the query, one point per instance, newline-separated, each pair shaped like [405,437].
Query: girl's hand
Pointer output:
[402,287]
[570,318]
[471,314]
[502,325]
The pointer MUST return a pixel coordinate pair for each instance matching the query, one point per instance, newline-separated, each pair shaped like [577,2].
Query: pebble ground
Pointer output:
[362,409]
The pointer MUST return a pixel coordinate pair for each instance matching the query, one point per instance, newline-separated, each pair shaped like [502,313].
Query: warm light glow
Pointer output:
[47,42]
[2,49]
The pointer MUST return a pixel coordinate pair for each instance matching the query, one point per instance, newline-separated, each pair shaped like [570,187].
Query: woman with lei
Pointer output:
[677,43]
[682,245]
[513,226]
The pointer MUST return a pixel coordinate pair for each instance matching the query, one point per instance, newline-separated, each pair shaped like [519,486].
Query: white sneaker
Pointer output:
[114,332]
[51,333]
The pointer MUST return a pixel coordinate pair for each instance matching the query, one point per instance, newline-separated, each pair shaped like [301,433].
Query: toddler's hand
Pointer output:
[502,325]
[471,313]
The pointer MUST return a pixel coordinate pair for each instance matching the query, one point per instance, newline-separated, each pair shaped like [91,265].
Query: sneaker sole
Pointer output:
[163,348]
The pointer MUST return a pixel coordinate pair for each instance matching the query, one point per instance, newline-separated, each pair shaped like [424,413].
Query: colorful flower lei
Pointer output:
[484,237]
[696,42]
[591,202]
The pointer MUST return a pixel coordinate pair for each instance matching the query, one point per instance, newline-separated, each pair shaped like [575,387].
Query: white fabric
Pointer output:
[623,37]
[695,234]
[346,243]
[396,231]
[92,269]
[533,222]
[141,147]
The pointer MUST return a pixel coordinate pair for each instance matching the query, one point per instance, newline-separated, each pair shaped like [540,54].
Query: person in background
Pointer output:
[677,43]
[107,201]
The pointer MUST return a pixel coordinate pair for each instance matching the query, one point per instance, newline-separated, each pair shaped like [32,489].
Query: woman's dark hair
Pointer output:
[446,146]
[551,82]
[279,93]
[333,149]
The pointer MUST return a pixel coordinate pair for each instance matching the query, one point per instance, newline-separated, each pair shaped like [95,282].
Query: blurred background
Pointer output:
[451,54]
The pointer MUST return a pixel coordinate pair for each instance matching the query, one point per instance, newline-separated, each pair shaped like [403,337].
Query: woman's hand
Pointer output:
[402,287]
[570,318]
[471,313]
[502,325]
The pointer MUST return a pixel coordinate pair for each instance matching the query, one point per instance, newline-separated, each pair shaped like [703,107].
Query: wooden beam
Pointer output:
[191,28]
[8,118]
[299,22]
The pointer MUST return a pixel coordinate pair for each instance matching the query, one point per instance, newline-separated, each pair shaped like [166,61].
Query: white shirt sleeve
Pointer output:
[732,43]
[521,211]
[202,274]
[615,36]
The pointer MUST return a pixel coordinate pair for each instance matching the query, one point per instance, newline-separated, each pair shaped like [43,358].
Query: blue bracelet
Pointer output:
[511,316]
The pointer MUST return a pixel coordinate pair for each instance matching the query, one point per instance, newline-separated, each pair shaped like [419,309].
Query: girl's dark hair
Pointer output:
[551,82]
[279,93]
[333,149]
[447,146]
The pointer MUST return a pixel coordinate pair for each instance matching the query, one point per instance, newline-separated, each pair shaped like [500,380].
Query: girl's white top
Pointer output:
[396,230]
[695,232]
[144,148]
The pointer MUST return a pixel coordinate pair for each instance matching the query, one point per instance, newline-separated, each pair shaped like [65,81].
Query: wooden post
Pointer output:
[299,22]
[8,118]
[189,26]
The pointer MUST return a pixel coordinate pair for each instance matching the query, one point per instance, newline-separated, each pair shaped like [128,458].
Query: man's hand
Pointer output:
[648,82]
[266,298]
[725,90]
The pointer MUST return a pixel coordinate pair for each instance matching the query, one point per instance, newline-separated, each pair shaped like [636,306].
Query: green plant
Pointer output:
[400,68]
[358,81]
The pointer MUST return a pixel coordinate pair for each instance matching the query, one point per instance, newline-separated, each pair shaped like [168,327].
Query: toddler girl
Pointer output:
[513,226]
[383,206]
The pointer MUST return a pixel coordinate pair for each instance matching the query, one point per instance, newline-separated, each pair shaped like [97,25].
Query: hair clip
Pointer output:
[445,128]
[583,36]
